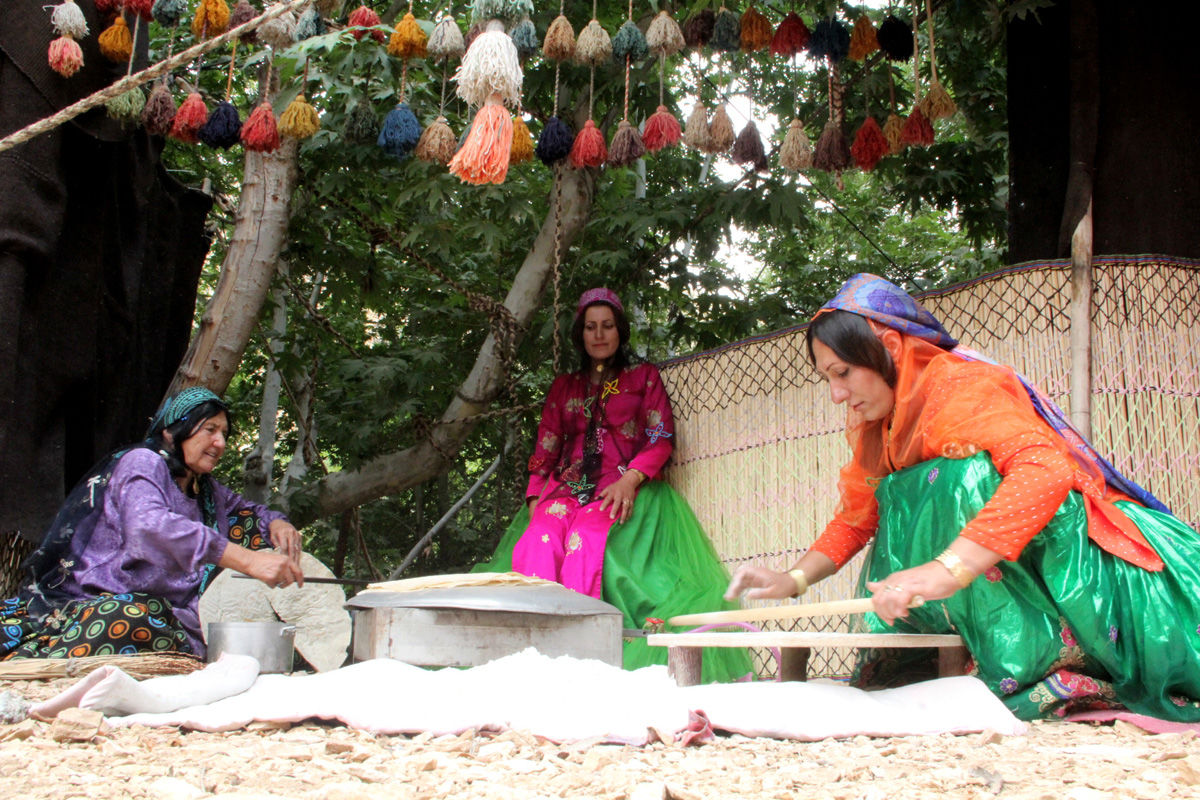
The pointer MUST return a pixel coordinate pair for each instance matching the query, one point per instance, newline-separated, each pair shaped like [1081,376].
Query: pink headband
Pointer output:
[598,295]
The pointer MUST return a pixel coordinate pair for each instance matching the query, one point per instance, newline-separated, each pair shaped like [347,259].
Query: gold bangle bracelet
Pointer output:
[961,572]
[801,581]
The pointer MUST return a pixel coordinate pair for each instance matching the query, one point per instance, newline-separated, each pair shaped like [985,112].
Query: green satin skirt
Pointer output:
[658,564]
[1066,627]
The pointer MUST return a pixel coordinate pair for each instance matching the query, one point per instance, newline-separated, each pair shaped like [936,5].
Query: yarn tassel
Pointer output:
[365,21]
[189,119]
[720,131]
[279,32]
[555,142]
[522,142]
[308,25]
[559,44]
[917,130]
[796,152]
[408,40]
[832,153]
[727,31]
[756,30]
[748,149]
[168,13]
[524,37]
[362,124]
[895,39]
[695,133]
[629,43]
[863,40]
[698,30]
[400,132]
[664,37]
[593,47]
[791,37]
[829,39]
[869,146]
[116,42]
[141,8]
[211,19]
[223,127]
[661,130]
[490,67]
[261,132]
[107,8]
[589,149]
[893,131]
[484,155]
[127,106]
[159,111]
[242,13]
[627,146]
[437,144]
[68,20]
[937,103]
[300,120]
[66,56]
[446,41]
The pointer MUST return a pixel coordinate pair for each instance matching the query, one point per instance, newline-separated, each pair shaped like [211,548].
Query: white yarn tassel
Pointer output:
[446,41]
[489,67]
[664,37]
[68,20]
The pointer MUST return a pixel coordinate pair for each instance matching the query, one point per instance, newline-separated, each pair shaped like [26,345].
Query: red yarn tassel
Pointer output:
[66,56]
[662,130]
[869,146]
[589,149]
[361,18]
[190,117]
[790,37]
[260,131]
[917,130]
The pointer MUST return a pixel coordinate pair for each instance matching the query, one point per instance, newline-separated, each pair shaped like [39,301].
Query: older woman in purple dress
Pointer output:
[123,565]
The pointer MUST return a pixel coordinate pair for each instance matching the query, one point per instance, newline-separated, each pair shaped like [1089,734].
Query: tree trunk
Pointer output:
[259,463]
[259,236]
[395,472]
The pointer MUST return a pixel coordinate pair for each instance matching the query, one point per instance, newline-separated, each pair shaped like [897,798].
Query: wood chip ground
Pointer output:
[318,761]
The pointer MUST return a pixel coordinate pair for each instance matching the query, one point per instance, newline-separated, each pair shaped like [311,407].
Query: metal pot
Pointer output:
[272,643]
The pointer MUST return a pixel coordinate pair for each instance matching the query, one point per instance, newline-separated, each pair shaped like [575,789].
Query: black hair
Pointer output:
[184,429]
[621,358]
[851,339]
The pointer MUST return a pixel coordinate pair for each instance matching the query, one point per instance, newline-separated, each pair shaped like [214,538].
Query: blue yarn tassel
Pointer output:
[400,132]
[224,126]
[829,38]
[309,25]
[525,37]
[555,142]
[629,41]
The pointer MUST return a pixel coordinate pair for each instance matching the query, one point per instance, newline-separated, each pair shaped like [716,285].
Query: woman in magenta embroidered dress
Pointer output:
[605,430]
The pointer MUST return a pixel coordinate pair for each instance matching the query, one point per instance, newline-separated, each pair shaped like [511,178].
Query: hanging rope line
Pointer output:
[145,76]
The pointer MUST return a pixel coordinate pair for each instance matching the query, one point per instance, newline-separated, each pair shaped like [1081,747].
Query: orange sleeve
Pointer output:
[856,519]
[995,414]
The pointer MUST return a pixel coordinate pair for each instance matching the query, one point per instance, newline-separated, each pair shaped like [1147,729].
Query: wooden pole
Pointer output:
[1081,324]
[859,605]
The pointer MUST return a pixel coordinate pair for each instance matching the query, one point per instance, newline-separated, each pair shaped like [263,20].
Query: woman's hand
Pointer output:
[273,569]
[760,583]
[618,497]
[286,539]
[897,592]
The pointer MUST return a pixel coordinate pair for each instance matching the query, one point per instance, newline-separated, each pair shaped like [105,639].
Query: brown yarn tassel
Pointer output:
[832,153]
[626,145]
[893,131]
[863,40]
[437,144]
[720,131]
[756,30]
[748,149]
[796,153]
[560,40]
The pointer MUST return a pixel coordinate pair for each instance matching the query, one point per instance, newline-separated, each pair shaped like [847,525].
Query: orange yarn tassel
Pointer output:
[116,43]
[409,40]
[484,155]
[212,18]
[522,145]
[917,130]
[589,149]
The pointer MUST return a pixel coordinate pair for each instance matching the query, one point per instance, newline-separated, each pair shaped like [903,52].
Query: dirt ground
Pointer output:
[330,762]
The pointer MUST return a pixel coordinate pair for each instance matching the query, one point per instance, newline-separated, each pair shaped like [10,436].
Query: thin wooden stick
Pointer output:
[858,605]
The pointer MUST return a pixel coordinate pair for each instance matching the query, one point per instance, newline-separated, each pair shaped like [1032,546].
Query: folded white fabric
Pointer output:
[111,691]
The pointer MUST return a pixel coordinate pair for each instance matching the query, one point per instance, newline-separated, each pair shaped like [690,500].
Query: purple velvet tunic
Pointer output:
[151,538]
